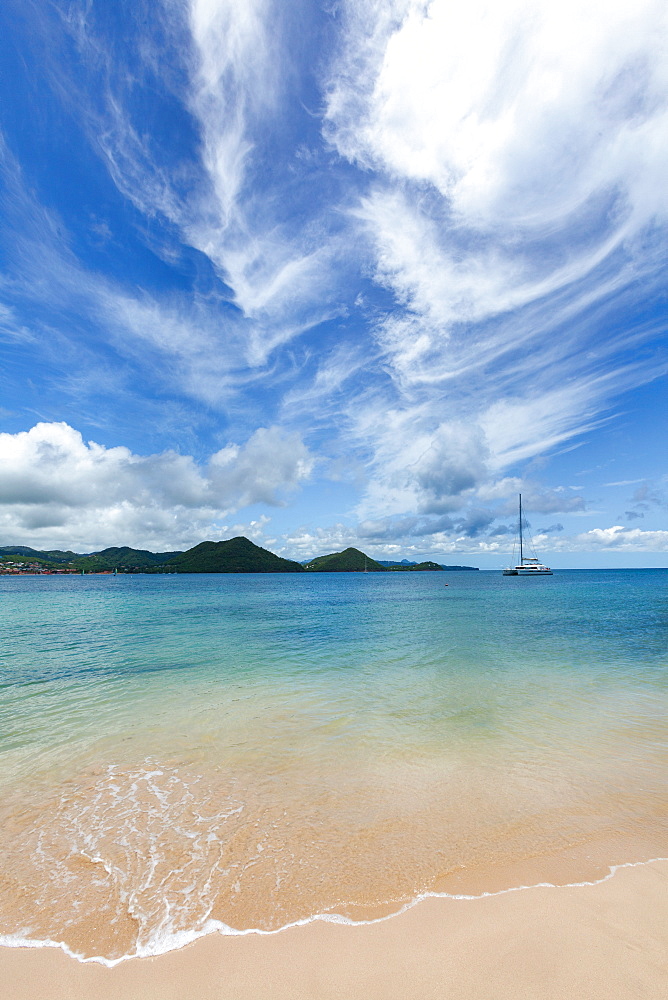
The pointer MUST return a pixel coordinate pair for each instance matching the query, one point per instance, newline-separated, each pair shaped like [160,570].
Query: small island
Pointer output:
[348,561]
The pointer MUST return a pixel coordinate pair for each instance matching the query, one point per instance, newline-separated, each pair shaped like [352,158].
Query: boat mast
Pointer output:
[521,552]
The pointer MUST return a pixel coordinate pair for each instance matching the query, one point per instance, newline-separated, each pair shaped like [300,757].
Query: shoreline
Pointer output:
[597,940]
[215,928]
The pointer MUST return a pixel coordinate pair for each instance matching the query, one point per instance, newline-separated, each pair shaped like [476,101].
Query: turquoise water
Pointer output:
[184,753]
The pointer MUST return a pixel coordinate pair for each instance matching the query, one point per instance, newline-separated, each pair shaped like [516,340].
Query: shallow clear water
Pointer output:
[185,753]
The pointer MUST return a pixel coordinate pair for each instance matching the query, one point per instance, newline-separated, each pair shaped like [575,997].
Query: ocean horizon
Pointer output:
[182,754]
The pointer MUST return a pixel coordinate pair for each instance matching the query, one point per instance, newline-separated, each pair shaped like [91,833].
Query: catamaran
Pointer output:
[528,565]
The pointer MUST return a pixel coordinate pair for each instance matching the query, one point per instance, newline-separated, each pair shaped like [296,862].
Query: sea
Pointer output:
[183,755]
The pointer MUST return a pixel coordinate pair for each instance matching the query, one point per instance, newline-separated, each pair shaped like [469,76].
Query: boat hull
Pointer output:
[527,571]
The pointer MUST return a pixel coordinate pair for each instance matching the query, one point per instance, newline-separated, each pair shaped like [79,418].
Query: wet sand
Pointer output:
[592,942]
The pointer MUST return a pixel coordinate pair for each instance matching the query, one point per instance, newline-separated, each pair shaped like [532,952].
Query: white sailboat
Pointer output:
[528,565]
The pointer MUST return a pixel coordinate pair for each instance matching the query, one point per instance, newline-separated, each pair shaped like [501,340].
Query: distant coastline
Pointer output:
[234,555]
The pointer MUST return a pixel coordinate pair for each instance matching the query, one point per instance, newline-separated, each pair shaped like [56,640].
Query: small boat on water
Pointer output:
[528,565]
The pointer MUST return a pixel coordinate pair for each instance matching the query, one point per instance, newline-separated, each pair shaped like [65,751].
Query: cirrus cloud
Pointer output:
[515,197]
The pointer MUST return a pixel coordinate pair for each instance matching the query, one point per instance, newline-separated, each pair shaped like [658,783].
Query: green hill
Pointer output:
[52,556]
[124,558]
[348,561]
[236,555]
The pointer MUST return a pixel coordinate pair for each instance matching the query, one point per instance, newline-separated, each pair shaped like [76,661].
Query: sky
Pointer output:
[347,272]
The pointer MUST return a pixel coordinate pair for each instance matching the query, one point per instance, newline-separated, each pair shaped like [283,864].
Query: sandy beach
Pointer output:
[599,942]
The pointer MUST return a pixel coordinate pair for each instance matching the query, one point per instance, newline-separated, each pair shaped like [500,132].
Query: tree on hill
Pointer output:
[349,561]
[120,557]
[53,555]
[236,555]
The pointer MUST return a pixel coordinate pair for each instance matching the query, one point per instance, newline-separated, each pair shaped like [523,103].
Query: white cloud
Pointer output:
[513,151]
[228,203]
[320,397]
[454,463]
[305,543]
[513,161]
[470,537]
[618,539]
[219,189]
[237,76]
[55,488]
[517,111]
[270,462]
[191,341]
[280,271]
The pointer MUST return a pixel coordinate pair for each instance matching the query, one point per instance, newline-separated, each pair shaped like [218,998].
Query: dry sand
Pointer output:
[599,942]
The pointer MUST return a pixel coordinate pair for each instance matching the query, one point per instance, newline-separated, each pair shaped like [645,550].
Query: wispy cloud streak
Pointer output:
[427,238]
[515,206]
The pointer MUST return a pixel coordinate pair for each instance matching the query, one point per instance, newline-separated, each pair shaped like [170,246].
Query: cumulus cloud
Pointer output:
[423,467]
[475,523]
[450,468]
[386,541]
[419,466]
[271,461]
[57,487]
[400,529]
[620,539]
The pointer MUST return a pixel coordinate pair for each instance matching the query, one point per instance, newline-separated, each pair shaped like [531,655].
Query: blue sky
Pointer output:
[336,273]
